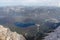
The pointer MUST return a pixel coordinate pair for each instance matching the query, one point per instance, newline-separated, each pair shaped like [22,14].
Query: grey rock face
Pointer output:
[54,35]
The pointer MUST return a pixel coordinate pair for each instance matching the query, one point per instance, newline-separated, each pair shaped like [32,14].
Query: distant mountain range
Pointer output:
[30,11]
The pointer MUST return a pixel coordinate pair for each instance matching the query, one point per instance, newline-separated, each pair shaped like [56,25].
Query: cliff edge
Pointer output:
[7,34]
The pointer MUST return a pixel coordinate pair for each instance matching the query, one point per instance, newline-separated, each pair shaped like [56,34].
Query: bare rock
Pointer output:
[54,35]
[6,34]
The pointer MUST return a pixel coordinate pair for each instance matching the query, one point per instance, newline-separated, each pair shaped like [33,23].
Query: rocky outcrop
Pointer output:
[54,35]
[6,34]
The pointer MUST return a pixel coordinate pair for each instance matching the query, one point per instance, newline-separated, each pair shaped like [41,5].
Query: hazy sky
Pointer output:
[30,2]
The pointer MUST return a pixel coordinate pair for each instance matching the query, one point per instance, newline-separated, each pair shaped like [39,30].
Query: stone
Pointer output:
[7,34]
[54,35]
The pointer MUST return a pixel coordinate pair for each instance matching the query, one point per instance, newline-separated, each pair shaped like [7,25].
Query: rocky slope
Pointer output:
[6,34]
[54,35]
